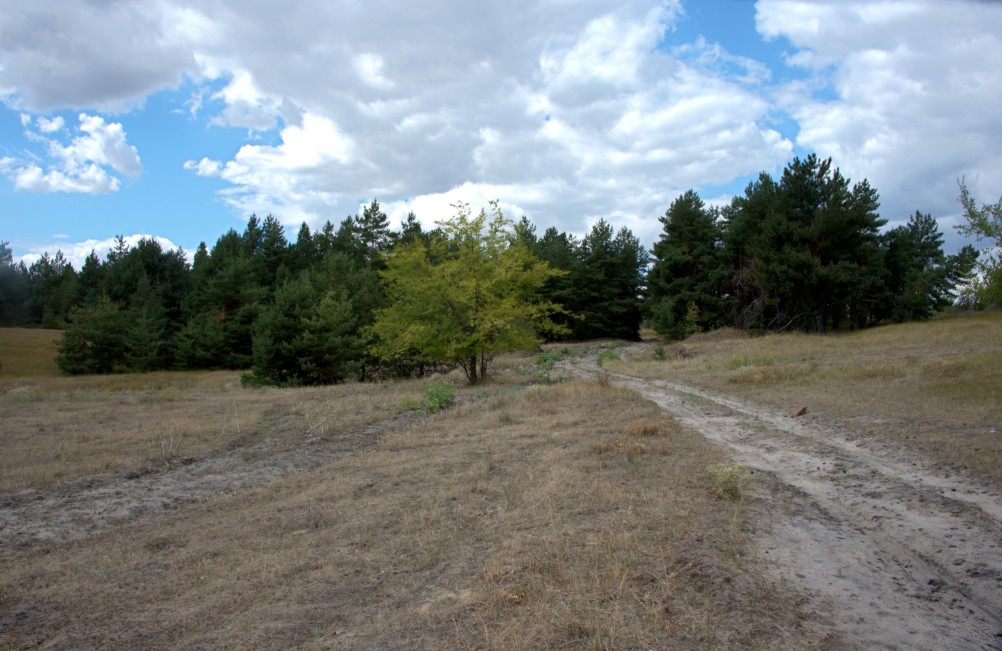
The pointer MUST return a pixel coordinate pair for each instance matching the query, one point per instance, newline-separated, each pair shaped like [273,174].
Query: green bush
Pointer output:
[438,396]
[607,356]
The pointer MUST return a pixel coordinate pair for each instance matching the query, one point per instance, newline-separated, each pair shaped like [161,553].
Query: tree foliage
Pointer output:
[688,280]
[984,223]
[470,293]
[804,251]
[312,332]
[920,278]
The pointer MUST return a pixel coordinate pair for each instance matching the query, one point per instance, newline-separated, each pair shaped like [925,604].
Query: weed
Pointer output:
[607,356]
[659,353]
[168,449]
[410,403]
[729,479]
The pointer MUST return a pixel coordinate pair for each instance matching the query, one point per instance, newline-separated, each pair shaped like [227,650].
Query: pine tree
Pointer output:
[687,282]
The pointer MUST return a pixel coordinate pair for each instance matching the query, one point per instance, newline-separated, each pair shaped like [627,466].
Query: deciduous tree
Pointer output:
[468,295]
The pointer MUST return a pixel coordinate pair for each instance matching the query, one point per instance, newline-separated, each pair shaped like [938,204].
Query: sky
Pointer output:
[178,119]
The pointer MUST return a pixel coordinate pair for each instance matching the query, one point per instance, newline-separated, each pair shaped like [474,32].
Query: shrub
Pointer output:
[438,396]
[607,356]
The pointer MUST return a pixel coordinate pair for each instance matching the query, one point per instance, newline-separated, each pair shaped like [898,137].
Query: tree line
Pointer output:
[359,300]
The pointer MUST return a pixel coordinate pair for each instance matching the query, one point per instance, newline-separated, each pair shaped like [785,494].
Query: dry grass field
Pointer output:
[27,352]
[574,515]
[935,386]
[529,515]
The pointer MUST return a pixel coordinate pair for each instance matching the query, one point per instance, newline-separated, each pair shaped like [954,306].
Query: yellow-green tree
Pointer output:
[468,294]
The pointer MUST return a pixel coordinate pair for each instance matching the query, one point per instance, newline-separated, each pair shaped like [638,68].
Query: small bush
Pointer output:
[728,479]
[607,356]
[438,396]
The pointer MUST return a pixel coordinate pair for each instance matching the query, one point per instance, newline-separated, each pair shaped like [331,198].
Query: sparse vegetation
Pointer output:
[438,395]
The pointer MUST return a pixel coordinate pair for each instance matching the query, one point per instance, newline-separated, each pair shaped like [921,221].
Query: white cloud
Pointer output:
[205,167]
[914,95]
[569,112]
[370,69]
[82,165]
[46,125]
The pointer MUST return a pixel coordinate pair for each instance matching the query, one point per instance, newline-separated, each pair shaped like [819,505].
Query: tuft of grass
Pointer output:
[729,479]
[438,395]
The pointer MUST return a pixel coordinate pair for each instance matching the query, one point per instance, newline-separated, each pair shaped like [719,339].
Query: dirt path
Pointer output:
[902,554]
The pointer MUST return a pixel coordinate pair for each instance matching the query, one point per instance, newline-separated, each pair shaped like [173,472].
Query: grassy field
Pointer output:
[936,386]
[574,515]
[27,352]
[528,516]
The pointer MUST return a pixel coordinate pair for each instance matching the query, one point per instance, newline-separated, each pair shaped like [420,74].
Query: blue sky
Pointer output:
[181,119]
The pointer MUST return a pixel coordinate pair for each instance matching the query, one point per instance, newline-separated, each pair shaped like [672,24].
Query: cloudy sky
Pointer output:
[178,119]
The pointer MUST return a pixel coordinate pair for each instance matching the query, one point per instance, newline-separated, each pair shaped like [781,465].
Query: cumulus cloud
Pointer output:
[908,98]
[568,112]
[82,165]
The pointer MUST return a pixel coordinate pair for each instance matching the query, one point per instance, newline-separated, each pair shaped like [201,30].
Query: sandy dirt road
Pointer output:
[897,553]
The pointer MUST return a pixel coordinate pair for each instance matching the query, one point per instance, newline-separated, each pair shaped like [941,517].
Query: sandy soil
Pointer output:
[896,552]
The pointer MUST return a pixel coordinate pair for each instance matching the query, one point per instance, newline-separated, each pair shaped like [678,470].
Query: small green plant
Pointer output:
[729,479]
[410,403]
[659,353]
[438,396]
[607,356]
[547,360]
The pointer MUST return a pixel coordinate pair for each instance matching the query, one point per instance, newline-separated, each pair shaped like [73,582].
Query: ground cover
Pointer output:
[574,515]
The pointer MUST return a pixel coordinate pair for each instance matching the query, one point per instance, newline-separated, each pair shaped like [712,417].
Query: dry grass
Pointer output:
[570,516]
[57,430]
[27,352]
[936,385]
